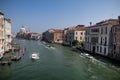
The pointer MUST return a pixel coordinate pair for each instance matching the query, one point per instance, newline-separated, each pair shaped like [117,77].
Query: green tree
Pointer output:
[82,44]
[75,42]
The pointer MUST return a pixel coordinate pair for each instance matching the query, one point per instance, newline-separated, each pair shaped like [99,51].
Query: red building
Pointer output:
[53,36]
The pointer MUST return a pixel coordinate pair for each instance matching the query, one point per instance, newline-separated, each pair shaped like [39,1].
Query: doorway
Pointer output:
[93,50]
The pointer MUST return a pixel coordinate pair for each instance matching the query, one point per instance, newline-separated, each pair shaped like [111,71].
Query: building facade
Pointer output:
[98,37]
[34,36]
[115,42]
[5,34]
[73,33]
[8,34]
[53,36]
[1,34]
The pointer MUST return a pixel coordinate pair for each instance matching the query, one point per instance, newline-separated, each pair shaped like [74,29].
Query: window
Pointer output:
[81,33]
[114,47]
[76,33]
[88,39]
[76,38]
[95,30]
[2,47]
[101,30]
[106,30]
[101,40]
[105,41]
[104,50]
[80,38]
[94,39]
[100,49]
[97,48]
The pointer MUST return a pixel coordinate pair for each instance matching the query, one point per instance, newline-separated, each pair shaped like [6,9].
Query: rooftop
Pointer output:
[105,22]
[1,12]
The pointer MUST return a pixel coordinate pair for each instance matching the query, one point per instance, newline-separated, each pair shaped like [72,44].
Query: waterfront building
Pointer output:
[97,38]
[53,36]
[5,34]
[22,30]
[8,34]
[34,36]
[1,34]
[115,42]
[65,34]
[73,33]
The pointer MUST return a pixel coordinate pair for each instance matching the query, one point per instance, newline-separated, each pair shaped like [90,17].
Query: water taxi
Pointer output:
[35,56]
[87,55]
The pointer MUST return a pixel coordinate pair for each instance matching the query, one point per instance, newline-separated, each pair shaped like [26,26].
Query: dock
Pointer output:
[15,58]
[14,54]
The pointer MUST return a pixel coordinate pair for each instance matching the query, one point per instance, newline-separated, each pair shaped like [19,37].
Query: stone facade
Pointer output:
[98,37]
[8,34]
[78,33]
[5,34]
[53,36]
[115,42]
[1,34]
[73,33]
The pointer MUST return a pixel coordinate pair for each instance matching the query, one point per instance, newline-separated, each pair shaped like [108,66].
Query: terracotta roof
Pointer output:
[58,31]
[80,28]
[106,22]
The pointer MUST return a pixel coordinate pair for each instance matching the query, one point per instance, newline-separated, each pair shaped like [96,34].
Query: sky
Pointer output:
[41,15]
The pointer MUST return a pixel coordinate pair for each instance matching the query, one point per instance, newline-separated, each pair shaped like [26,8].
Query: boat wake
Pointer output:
[52,48]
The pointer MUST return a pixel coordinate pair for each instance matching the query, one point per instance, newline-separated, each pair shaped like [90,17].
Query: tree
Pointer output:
[75,42]
[82,44]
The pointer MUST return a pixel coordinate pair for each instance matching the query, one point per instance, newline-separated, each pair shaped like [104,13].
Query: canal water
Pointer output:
[58,63]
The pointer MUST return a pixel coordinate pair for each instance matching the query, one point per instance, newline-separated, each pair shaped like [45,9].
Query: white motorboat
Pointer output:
[35,56]
[87,55]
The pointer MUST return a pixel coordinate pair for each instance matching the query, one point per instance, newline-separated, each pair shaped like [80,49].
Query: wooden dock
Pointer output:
[15,58]
[16,54]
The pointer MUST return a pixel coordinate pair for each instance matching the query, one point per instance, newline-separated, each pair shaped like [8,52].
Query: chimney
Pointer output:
[119,19]
[90,23]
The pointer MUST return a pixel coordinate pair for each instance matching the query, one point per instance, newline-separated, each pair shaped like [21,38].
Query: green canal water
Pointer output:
[58,63]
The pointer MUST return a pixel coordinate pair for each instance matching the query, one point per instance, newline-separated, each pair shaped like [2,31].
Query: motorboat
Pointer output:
[87,55]
[48,46]
[35,56]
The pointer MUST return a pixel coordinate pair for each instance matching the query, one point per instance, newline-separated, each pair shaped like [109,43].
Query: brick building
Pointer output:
[53,36]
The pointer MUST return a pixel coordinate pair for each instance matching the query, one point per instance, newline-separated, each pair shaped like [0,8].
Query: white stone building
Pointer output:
[5,34]
[8,34]
[77,33]
[1,34]
[23,30]
[98,37]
